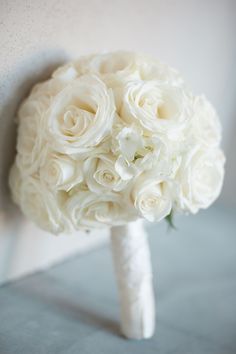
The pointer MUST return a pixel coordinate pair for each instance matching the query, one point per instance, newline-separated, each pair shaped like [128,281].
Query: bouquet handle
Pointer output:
[131,257]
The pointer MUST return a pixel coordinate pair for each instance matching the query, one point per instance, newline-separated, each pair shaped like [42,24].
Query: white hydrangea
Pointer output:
[111,138]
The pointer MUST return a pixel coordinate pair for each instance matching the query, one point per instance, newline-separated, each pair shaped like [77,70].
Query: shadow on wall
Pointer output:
[15,85]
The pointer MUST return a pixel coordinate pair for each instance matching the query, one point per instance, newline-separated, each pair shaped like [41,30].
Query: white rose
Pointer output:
[87,209]
[150,69]
[205,123]
[112,67]
[31,146]
[61,172]
[200,178]
[31,142]
[43,92]
[151,197]
[44,207]
[80,116]
[100,174]
[158,108]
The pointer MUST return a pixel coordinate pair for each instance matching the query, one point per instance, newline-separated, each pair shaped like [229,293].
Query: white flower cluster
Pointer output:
[111,138]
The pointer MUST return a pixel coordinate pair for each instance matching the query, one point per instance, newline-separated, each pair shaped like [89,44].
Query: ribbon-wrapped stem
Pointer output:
[133,269]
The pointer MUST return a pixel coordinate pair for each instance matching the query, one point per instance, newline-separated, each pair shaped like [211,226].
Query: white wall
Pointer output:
[196,36]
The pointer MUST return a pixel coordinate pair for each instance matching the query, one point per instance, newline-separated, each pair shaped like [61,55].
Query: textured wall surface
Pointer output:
[197,37]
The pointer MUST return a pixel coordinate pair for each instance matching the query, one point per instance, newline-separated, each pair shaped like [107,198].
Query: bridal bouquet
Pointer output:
[111,138]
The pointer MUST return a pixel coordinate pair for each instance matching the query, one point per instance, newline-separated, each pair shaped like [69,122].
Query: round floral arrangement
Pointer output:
[111,138]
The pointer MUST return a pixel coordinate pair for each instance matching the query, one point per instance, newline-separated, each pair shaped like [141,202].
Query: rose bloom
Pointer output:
[151,197]
[100,174]
[200,178]
[158,108]
[61,172]
[86,209]
[31,139]
[39,204]
[80,116]
[205,123]
[30,142]
[113,68]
